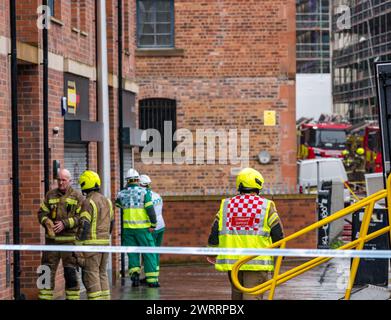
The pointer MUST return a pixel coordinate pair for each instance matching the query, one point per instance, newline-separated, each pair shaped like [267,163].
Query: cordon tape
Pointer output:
[207,251]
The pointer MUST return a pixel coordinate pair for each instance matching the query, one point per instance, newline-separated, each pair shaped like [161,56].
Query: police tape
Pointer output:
[207,251]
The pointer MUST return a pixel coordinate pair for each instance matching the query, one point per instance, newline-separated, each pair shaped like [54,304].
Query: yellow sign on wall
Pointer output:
[72,97]
[269,118]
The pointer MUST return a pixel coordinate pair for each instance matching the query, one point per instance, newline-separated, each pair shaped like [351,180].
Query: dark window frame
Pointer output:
[152,114]
[155,34]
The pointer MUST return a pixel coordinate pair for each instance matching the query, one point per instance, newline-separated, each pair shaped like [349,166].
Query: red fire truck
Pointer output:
[322,140]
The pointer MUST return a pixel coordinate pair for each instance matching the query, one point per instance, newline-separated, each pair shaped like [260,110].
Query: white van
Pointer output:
[330,169]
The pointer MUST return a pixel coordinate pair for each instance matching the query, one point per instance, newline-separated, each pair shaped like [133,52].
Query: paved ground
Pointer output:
[202,282]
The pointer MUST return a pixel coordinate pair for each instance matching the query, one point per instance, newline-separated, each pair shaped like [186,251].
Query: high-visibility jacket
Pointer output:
[243,223]
[135,201]
[98,211]
[64,207]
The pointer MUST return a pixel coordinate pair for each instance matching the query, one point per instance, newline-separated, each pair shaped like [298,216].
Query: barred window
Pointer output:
[155,23]
[159,114]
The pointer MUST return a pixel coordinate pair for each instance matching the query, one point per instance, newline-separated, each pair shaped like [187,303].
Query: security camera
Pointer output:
[56,130]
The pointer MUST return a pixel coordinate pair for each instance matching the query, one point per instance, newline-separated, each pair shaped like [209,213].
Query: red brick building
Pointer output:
[227,64]
[223,66]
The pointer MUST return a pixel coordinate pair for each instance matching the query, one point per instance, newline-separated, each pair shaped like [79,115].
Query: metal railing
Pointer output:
[367,203]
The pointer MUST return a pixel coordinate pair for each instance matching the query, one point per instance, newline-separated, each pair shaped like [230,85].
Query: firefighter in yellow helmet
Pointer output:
[359,166]
[96,224]
[246,220]
[59,214]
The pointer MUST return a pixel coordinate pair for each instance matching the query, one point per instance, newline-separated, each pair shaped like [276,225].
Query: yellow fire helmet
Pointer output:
[249,179]
[345,152]
[360,151]
[89,180]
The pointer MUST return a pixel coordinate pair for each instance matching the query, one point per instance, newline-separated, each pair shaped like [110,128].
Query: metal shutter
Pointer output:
[75,160]
[128,159]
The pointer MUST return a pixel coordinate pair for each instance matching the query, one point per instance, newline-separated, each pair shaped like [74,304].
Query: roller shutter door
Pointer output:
[75,160]
[128,159]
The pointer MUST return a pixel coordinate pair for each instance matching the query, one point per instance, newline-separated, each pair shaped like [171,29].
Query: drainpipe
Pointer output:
[120,123]
[45,104]
[15,150]
[103,99]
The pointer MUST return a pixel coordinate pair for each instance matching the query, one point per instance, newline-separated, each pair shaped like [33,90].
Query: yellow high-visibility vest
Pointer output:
[243,224]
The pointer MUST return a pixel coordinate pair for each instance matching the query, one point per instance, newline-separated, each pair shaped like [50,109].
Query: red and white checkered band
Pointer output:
[244,212]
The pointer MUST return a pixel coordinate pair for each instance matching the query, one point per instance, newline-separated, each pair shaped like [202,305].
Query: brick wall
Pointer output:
[238,61]
[189,220]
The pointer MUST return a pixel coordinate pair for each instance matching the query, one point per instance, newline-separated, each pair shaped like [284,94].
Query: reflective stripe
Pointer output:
[71,201]
[137,222]
[72,295]
[152,280]
[111,209]
[94,220]
[252,262]
[45,295]
[152,274]
[105,295]
[94,295]
[134,270]
[45,292]
[43,219]
[65,238]
[53,201]
[85,214]
[78,210]
[44,207]
[251,233]
[96,241]
[71,223]
[148,204]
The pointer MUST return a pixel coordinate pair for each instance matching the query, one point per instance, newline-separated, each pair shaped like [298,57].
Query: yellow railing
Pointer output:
[367,203]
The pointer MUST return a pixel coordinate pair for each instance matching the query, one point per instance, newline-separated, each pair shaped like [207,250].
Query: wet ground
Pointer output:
[202,282]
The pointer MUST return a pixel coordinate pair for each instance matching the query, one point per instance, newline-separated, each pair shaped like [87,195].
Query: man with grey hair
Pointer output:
[59,214]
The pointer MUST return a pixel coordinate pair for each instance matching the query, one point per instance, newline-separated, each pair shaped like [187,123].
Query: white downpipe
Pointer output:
[103,101]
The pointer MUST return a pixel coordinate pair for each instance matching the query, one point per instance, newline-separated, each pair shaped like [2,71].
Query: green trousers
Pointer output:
[141,238]
[158,238]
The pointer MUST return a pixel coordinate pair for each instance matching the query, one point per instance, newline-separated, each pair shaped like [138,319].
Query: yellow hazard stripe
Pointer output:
[97,241]
[52,201]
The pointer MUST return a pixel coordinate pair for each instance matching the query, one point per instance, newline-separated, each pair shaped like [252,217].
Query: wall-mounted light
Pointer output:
[264,157]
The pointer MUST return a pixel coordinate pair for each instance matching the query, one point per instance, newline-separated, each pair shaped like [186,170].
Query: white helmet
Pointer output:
[145,181]
[132,174]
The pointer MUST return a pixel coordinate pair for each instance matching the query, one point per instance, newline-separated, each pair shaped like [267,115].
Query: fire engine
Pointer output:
[322,140]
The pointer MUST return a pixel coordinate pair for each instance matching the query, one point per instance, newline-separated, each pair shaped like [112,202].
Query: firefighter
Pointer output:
[347,161]
[157,234]
[246,221]
[95,227]
[359,165]
[59,215]
[139,221]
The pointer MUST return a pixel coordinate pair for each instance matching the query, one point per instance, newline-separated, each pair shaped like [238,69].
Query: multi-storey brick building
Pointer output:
[223,66]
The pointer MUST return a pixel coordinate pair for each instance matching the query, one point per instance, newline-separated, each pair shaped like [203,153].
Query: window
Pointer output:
[159,114]
[155,23]
[50,4]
